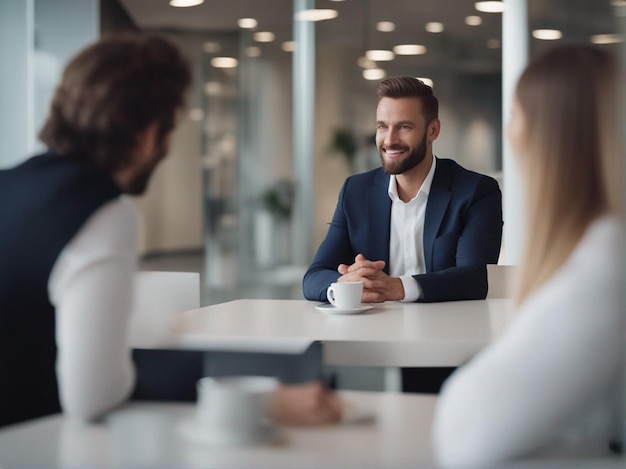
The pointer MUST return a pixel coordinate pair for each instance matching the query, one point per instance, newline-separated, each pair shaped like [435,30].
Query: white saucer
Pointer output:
[331,309]
[191,430]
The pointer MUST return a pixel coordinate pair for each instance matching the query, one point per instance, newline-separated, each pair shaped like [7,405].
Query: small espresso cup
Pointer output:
[345,295]
[234,409]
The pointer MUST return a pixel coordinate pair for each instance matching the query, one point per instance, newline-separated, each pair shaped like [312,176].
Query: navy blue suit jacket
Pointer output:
[462,232]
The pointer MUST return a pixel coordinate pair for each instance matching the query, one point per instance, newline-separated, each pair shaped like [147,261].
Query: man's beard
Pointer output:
[414,158]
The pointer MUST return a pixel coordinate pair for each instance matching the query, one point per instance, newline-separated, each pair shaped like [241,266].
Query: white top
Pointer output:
[406,248]
[551,384]
[91,287]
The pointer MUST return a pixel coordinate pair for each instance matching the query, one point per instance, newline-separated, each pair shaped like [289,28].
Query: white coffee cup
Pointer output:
[234,409]
[345,295]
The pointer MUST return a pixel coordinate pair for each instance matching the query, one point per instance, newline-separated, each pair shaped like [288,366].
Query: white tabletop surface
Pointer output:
[142,435]
[389,334]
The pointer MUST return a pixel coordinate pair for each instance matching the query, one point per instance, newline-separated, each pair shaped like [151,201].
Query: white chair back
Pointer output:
[501,280]
[158,295]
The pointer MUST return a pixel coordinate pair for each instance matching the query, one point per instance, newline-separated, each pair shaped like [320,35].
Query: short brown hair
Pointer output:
[111,91]
[410,87]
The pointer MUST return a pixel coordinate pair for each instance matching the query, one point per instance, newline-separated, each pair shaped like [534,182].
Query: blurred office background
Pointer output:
[283,110]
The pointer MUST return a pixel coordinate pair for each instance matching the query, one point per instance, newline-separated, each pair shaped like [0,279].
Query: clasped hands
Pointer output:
[377,285]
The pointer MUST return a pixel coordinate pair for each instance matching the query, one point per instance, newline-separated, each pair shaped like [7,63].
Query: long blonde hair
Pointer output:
[570,98]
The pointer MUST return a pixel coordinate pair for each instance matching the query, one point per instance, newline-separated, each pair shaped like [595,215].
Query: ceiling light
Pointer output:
[385,26]
[212,88]
[253,51]
[547,34]
[607,38]
[316,15]
[264,36]
[434,27]
[196,114]
[374,74]
[364,62]
[426,81]
[224,62]
[288,46]
[409,49]
[493,43]
[247,23]
[490,7]
[185,3]
[211,47]
[473,20]
[618,3]
[379,55]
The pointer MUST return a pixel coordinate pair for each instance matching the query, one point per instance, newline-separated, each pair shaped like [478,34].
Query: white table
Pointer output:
[391,334]
[142,435]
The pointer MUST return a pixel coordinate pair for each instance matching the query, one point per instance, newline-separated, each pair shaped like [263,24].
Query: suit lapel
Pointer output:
[438,201]
[379,219]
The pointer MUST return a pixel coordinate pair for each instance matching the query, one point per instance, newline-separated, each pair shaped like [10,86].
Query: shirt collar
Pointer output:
[392,190]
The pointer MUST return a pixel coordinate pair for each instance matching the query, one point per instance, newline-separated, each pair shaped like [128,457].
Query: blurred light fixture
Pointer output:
[618,3]
[288,46]
[547,34]
[426,81]
[264,36]
[409,49]
[490,6]
[434,27]
[224,62]
[337,0]
[374,74]
[253,51]
[364,62]
[607,38]
[316,15]
[185,3]
[379,55]
[385,26]
[247,23]
[213,88]
[196,114]
[473,20]
[211,47]
[493,43]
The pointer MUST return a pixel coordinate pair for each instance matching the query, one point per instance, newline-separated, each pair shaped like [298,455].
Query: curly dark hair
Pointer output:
[110,92]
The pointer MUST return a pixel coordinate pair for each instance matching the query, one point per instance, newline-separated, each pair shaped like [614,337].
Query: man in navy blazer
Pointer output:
[460,214]
[419,228]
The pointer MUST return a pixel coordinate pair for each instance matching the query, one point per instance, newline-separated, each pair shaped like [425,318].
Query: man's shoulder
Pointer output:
[372,176]
[461,175]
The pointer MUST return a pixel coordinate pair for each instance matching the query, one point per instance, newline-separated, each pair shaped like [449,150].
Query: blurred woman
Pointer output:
[551,385]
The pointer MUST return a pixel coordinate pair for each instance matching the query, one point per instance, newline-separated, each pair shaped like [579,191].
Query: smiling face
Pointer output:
[402,134]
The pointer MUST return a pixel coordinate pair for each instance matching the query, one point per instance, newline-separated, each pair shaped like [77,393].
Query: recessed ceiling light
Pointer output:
[211,47]
[473,20]
[316,15]
[253,51]
[196,114]
[379,55]
[374,74]
[247,23]
[364,62]
[409,49]
[224,62]
[618,3]
[212,88]
[493,43]
[288,46]
[385,26]
[426,81]
[607,38]
[434,27]
[547,34]
[185,3]
[490,7]
[264,36]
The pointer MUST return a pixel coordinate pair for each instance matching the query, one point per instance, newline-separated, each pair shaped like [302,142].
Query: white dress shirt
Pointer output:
[91,287]
[406,248]
[551,385]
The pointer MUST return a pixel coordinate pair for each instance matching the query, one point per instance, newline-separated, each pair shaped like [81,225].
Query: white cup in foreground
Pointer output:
[345,295]
[234,409]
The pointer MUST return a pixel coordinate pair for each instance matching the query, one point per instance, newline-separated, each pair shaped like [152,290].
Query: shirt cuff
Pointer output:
[412,290]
